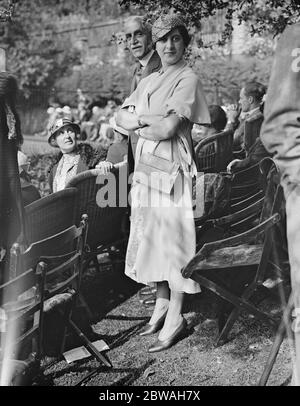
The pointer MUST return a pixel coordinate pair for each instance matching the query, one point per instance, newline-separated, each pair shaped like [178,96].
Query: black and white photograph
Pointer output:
[149,180]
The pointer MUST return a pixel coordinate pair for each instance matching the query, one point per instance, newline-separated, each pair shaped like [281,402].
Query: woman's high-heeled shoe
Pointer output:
[161,345]
[155,327]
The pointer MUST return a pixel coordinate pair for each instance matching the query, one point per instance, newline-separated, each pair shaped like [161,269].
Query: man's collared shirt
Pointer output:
[146,59]
[248,114]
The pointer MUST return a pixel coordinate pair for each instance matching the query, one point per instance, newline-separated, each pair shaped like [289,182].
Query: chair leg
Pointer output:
[273,354]
[66,315]
[234,314]
[239,302]
[277,343]
[84,304]
[91,348]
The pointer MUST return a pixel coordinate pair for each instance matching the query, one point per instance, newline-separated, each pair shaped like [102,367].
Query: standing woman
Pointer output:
[162,110]
[11,205]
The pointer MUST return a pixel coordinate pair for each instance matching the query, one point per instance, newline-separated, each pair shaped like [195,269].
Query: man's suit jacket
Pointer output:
[255,154]
[248,131]
[252,130]
[153,65]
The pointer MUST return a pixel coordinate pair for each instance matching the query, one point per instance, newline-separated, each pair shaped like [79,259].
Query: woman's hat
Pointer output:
[164,24]
[58,125]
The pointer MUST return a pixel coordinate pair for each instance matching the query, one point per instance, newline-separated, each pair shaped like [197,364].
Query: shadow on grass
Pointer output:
[107,289]
[132,374]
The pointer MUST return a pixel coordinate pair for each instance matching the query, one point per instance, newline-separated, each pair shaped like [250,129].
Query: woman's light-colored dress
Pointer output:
[162,233]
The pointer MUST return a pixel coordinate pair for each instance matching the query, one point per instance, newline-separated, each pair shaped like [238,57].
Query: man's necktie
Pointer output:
[138,72]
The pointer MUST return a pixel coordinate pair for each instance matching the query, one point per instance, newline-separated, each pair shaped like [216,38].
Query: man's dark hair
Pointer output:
[255,89]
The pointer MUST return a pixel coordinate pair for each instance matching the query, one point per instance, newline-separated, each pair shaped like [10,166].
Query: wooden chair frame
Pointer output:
[58,254]
[22,300]
[197,267]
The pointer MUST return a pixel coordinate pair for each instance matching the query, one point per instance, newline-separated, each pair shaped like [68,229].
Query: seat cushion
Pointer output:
[58,300]
[229,257]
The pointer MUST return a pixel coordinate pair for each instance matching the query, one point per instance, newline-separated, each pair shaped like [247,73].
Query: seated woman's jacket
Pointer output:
[89,157]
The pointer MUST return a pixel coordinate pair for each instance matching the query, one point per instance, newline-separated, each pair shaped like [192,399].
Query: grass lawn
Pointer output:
[193,361]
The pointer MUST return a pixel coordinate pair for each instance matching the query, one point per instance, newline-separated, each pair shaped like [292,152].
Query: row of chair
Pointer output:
[47,279]
[47,276]
[246,244]
[244,252]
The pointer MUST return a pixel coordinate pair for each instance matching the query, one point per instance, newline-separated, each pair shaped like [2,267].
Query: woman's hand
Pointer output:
[105,167]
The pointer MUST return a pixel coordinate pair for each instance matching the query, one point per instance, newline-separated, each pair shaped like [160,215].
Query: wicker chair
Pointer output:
[214,152]
[50,215]
[107,225]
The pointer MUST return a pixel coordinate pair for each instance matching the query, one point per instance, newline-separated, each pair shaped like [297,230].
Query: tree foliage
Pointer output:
[261,15]
[100,82]
[223,78]
[32,51]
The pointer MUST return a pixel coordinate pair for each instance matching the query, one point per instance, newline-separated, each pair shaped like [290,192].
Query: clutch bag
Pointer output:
[156,172]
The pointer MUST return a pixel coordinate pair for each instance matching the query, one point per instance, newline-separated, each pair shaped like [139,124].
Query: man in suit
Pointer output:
[246,143]
[139,40]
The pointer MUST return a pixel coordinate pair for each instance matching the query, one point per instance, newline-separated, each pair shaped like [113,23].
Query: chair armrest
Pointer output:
[239,239]
[210,139]
[205,141]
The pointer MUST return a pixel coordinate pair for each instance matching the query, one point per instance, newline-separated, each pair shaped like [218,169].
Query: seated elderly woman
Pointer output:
[74,157]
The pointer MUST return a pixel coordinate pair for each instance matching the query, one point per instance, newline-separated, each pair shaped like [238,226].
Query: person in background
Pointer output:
[162,110]
[29,192]
[254,152]
[74,157]
[67,113]
[51,118]
[248,121]
[11,204]
[110,109]
[139,39]
[117,152]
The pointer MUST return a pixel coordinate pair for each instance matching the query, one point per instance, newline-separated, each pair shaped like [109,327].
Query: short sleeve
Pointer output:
[188,100]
